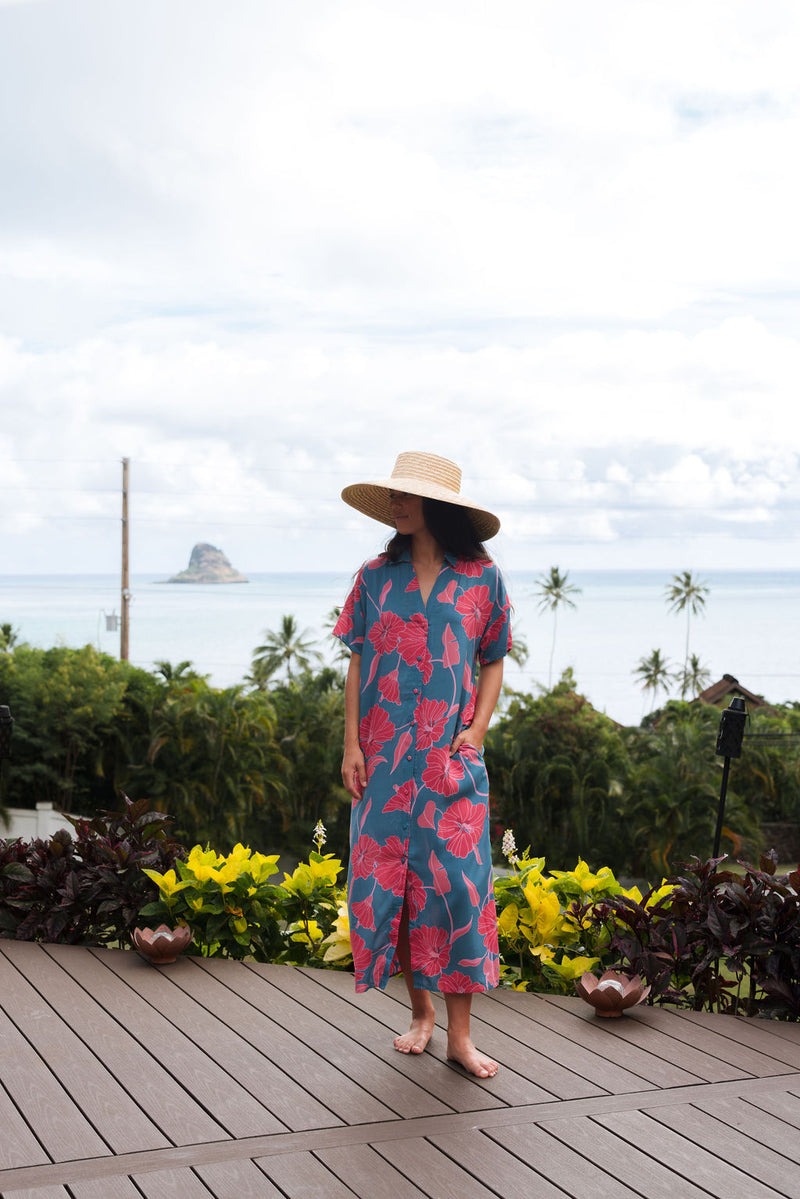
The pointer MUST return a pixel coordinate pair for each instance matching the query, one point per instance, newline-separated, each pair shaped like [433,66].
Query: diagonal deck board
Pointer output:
[456,1090]
[658,1105]
[596,1035]
[348,1064]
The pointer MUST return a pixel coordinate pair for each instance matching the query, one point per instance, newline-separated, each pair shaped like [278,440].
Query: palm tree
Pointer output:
[554,590]
[519,651]
[286,648]
[685,593]
[8,637]
[654,674]
[694,677]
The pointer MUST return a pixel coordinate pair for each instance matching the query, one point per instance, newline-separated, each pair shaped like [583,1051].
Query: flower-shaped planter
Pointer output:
[611,993]
[163,944]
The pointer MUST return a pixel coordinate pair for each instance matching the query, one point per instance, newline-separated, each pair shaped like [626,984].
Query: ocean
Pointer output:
[750,627]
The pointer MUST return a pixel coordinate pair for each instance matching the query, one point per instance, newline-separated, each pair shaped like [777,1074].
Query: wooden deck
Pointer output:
[234,1080]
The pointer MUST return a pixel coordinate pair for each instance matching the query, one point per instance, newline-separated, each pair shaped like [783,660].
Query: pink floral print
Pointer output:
[420,831]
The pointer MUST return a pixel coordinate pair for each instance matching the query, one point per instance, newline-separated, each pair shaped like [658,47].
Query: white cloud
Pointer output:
[260,249]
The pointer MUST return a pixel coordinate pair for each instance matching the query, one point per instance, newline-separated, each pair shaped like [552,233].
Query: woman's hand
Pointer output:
[354,771]
[466,737]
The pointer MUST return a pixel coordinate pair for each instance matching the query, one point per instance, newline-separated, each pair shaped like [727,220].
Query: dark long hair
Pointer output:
[451,526]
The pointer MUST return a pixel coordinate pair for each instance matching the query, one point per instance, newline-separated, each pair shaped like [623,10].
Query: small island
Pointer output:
[208,564]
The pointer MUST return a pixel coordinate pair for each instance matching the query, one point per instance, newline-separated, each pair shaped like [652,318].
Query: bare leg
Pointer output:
[459,1043]
[422,1013]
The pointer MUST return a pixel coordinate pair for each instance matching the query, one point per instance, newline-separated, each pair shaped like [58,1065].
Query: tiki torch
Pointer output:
[729,745]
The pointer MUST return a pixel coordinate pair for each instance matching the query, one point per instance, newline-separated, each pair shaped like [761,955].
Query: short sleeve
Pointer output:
[496,640]
[350,628]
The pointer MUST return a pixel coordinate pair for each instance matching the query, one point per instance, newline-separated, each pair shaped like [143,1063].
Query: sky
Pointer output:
[260,248]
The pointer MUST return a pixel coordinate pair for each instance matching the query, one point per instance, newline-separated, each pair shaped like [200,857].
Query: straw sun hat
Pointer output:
[419,474]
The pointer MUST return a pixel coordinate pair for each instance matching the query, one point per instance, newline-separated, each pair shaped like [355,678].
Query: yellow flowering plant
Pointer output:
[546,938]
[235,909]
[226,900]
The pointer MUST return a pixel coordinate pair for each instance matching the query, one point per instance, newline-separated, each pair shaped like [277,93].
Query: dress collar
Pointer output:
[450,559]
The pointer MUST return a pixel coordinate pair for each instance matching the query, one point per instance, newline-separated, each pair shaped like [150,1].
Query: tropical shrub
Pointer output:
[87,886]
[718,940]
[558,771]
[674,786]
[546,941]
[234,910]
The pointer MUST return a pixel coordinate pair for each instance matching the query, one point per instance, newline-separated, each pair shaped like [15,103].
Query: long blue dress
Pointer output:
[420,831]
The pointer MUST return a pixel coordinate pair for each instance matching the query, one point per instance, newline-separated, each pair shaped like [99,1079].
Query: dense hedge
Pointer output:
[259,763]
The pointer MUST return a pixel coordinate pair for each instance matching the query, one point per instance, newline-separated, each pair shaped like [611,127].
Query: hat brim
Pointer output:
[373,500]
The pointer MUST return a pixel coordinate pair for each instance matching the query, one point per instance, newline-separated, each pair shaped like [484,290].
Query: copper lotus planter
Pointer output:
[163,944]
[612,993]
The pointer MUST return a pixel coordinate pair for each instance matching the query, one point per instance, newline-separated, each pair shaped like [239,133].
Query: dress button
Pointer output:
[408,757]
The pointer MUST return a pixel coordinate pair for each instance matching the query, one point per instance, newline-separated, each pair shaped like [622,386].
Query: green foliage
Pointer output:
[555,591]
[86,887]
[69,712]
[212,760]
[309,733]
[287,649]
[544,945]
[673,789]
[768,772]
[228,765]
[234,911]
[654,674]
[718,941]
[557,768]
[686,594]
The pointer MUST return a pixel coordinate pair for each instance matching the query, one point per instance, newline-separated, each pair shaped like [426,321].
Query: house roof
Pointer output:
[727,686]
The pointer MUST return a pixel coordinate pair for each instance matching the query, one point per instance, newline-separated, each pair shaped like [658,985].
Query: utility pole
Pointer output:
[126,594]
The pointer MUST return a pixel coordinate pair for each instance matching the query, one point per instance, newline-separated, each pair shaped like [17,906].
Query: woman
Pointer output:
[418,621]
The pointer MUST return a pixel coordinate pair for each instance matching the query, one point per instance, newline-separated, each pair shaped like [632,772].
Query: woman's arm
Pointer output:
[354,769]
[490,680]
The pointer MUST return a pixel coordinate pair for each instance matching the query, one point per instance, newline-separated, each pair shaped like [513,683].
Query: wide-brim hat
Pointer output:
[425,475]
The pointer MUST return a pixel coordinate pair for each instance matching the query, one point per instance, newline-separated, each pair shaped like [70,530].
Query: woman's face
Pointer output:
[407,512]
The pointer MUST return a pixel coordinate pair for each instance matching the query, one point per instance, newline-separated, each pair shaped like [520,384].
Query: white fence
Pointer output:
[27,823]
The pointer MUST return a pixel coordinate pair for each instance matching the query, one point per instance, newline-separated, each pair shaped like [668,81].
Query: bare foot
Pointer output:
[418,1035]
[465,1053]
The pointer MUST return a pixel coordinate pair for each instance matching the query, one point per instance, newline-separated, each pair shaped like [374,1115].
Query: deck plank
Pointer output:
[691,1162]
[143,1049]
[560,1163]
[593,1034]
[676,1104]
[768,1129]
[365,1172]
[264,1057]
[455,1091]
[83,1049]
[53,1192]
[783,1105]
[630,1165]
[237,1180]
[495,1167]
[669,1041]
[433,1171]
[705,1038]
[116,1118]
[760,1035]
[172,1184]
[744,1151]
[526,1077]
[117,1187]
[583,1062]
[378,1092]
[303,1176]
[18,1145]
[168,1013]
[60,1124]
